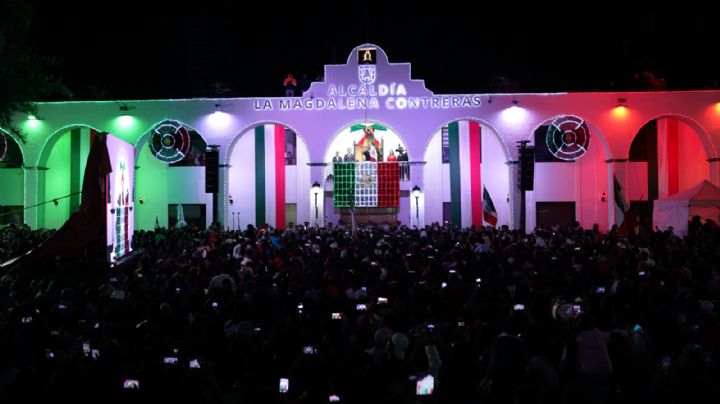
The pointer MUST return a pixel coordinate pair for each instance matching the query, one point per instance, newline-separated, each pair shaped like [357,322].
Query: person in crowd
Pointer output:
[290,85]
[349,157]
[337,158]
[216,315]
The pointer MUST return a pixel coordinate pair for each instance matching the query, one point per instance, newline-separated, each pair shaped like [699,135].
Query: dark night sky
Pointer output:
[125,50]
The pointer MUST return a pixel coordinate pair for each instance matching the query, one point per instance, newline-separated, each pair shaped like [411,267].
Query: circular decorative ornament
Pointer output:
[3,146]
[568,137]
[169,142]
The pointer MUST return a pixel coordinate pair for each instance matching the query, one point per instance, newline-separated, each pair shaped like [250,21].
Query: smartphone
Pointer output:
[95,354]
[431,327]
[382,300]
[641,273]
[600,290]
[424,386]
[519,307]
[478,281]
[178,290]
[131,384]
[86,349]
[637,328]
[54,333]
[49,354]
[309,350]
[170,360]
[26,320]
[61,306]
[336,316]
[284,385]
[194,364]
[461,324]
[452,271]
[334,398]
[360,307]
[577,309]
[300,308]
[214,305]
[443,285]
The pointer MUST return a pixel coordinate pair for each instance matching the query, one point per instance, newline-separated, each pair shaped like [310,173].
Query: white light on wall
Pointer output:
[514,114]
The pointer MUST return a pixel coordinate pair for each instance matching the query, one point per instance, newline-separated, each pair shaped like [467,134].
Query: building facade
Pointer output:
[461,151]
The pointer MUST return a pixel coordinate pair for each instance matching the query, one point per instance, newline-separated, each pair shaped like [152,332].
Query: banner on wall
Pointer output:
[120,198]
[366,184]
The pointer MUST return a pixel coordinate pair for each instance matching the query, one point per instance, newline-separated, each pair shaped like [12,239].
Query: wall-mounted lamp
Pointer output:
[231,200]
[124,107]
[34,118]
[507,198]
[416,193]
[218,107]
[490,99]
[316,191]
[515,103]
[141,200]
[603,197]
[621,101]
[55,202]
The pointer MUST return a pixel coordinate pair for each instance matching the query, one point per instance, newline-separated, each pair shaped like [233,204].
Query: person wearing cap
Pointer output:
[402,158]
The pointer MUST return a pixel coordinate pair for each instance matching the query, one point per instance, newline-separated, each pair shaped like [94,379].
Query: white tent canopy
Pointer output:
[676,210]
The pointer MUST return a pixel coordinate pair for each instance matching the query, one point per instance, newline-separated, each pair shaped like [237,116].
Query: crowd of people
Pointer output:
[314,315]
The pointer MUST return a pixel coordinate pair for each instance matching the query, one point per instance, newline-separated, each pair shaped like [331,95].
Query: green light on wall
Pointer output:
[33,122]
[125,121]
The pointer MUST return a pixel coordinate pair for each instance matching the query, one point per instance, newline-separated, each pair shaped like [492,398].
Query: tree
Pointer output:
[24,76]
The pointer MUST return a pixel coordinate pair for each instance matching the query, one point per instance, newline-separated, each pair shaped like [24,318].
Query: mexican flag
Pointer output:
[466,196]
[620,205]
[261,179]
[367,184]
[489,212]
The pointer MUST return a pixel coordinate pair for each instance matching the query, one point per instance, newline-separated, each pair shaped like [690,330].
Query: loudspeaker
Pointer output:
[211,171]
[527,168]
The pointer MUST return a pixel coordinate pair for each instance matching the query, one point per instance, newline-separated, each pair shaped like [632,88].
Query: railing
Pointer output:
[404,171]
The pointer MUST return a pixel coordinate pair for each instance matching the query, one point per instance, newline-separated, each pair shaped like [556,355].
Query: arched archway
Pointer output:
[464,158]
[60,170]
[667,155]
[367,141]
[170,170]
[569,185]
[12,180]
[268,177]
